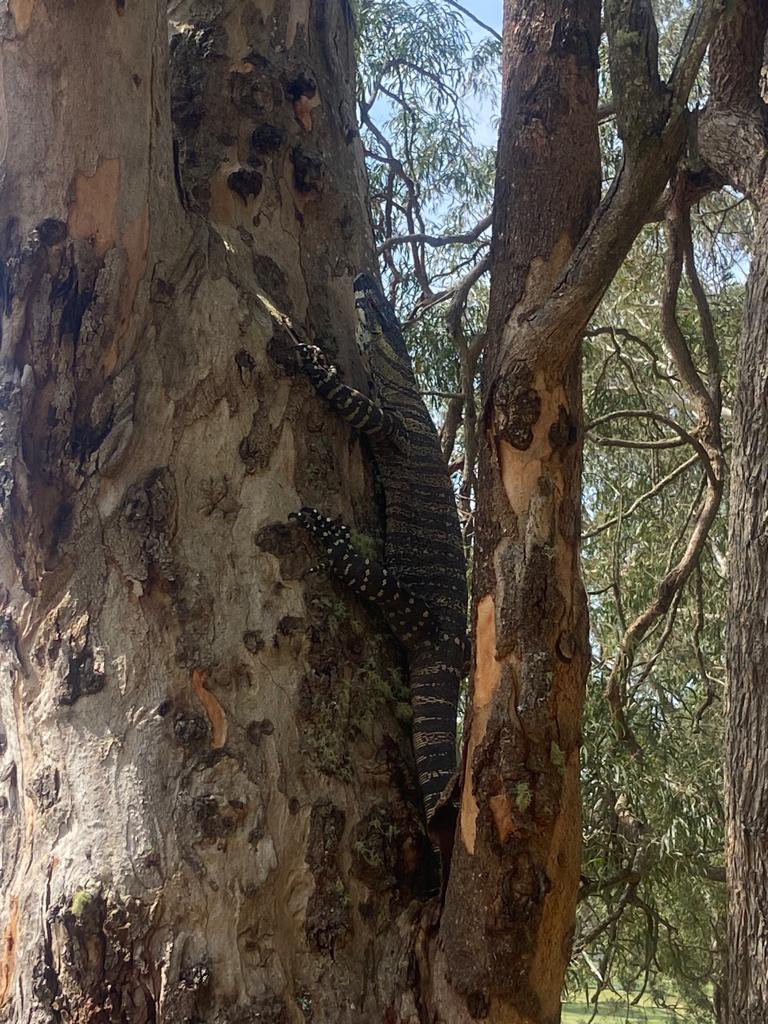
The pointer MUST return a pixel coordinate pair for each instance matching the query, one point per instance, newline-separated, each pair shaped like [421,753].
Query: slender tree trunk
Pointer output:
[208,806]
[734,141]
[747,722]
[510,906]
[520,829]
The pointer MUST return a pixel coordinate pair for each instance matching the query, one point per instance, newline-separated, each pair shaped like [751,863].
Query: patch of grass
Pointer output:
[611,1011]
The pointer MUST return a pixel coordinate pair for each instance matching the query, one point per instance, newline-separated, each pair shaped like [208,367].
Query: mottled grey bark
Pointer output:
[208,804]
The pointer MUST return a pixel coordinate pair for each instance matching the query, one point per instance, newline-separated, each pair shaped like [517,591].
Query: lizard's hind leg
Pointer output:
[408,616]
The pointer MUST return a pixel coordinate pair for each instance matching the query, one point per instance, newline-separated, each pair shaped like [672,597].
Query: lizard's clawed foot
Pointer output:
[312,357]
[327,531]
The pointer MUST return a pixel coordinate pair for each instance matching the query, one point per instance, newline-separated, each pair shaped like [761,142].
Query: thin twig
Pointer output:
[473,17]
[709,446]
[650,414]
[625,442]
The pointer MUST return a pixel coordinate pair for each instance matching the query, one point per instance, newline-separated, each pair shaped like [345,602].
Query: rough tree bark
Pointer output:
[208,806]
[734,141]
[747,707]
[520,824]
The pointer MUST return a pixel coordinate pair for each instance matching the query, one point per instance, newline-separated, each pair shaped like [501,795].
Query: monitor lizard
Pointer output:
[422,587]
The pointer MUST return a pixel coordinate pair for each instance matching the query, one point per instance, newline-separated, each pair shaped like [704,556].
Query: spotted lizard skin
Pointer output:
[421,589]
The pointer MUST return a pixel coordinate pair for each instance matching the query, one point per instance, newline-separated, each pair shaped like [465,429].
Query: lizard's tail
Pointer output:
[435,673]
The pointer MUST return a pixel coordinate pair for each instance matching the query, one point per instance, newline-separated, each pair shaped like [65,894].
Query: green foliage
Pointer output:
[426,83]
[658,813]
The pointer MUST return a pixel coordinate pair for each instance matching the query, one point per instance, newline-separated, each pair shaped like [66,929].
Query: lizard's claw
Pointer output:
[324,529]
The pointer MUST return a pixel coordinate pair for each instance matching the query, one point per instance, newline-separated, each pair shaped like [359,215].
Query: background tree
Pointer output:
[552,265]
[651,902]
[734,143]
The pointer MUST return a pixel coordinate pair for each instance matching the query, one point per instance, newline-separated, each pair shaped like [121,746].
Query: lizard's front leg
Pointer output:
[407,616]
[352,406]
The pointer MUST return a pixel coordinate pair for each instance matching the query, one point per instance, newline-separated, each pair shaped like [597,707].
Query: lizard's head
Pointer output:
[367,323]
[377,323]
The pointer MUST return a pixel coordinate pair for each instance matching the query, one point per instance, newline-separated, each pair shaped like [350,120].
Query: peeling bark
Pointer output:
[517,855]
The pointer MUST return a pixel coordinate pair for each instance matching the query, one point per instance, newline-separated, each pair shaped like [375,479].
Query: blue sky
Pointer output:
[488,11]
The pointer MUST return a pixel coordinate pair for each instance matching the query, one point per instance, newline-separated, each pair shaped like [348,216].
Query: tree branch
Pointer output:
[677,227]
[438,240]
[553,328]
[697,37]
[705,314]
[658,418]
[656,489]
[633,58]
[624,442]
[708,444]
[732,133]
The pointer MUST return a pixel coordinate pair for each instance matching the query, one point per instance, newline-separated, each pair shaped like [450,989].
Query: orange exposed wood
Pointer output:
[503,817]
[22,14]
[94,211]
[303,108]
[212,708]
[8,953]
[487,678]
[560,905]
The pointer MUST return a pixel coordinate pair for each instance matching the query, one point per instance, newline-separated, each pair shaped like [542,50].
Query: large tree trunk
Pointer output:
[208,806]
